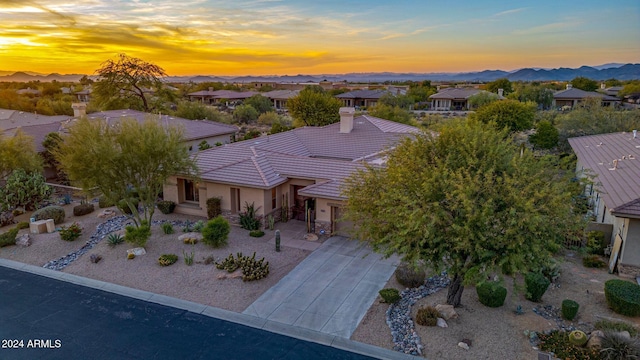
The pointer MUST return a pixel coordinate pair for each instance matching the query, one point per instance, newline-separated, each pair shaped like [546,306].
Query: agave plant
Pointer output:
[115,239]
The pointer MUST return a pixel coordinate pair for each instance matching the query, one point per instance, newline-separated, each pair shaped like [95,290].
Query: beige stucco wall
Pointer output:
[630,254]
[247,194]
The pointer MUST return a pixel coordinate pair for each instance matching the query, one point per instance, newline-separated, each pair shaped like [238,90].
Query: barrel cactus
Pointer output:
[578,337]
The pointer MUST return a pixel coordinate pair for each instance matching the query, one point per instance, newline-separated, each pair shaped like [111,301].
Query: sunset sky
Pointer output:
[265,37]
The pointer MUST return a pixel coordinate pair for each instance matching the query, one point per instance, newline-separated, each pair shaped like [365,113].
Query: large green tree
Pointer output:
[393,113]
[18,152]
[262,104]
[129,155]
[512,114]
[465,201]
[502,83]
[314,107]
[129,82]
[584,83]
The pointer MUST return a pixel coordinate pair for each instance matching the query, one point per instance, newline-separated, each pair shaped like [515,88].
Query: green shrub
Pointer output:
[623,297]
[167,259]
[427,316]
[9,237]
[256,233]
[248,218]
[569,309]
[389,295]
[50,212]
[578,338]
[213,207]
[410,276]
[593,261]
[167,228]
[22,225]
[596,243]
[137,235]
[188,258]
[166,206]
[124,207]
[491,294]
[24,189]
[103,202]
[70,233]
[616,326]
[198,226]
[216,232]
[558,343]
[615,346]
[83,209]
[115,239]
[536,285]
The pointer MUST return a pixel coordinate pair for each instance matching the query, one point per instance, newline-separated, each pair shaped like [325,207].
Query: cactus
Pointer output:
[277,240]
[131,256]
[578,337]
[167,259]
[271,221]
[252,269]
[569,309]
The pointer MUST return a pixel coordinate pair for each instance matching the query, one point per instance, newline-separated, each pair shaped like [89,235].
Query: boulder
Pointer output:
[311,237]
[190,237]
[6,218]
[595,340]
[137,251]
[441,323]
[106,213]
[446,311]
[463,345]
[625,334]
[23,240]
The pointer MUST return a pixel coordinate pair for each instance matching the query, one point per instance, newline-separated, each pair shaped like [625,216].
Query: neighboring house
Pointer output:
[615,161]
[220,96]
[362,98]
[455,98]
[28,91]
[298,173]
[613,91]
[279,98]
[572,97]
[195,131]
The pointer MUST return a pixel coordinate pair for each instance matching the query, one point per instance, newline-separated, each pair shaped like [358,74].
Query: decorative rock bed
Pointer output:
[405,338]
[102,230]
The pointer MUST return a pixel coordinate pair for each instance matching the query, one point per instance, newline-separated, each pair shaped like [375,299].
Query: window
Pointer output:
[191,191]
[235,200]
[273,198]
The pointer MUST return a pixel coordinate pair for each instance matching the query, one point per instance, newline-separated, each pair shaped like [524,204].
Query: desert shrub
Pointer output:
[252,269]
[24,189]
[166,206]
[188,258]
[615,346]
[22,225]
[536,285]
[216,232]
[410,276]
[137,235]
[198,226]
[248,218]
[616,326]
[124,207]
[213,207]
[623,297]
[596,243]
[187,226]
[427,316]
[569,309]
[558,342]
[103,202]
[167,259]
[491,294]
[551,270]
[9,237]
[578,338]
[167,228]
[115,239]
[83,209]
[593,261]
[70,233]
[50,212]
[256,233]
[390,296]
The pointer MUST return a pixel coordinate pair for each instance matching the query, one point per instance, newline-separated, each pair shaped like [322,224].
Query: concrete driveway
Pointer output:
[330,291]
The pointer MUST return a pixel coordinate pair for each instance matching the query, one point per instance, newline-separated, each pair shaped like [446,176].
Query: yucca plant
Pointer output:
[115,239]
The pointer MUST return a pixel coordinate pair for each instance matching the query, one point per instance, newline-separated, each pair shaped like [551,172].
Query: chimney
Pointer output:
[211,89]
[79,109]
[635,133]
[603,86]
[569,86]
[346,119]
[500,92]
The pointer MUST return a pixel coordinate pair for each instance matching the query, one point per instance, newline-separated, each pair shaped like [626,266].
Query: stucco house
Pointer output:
[570,97]
[298,173]
[615,197]
[362,98]
[220,96]
[455,98]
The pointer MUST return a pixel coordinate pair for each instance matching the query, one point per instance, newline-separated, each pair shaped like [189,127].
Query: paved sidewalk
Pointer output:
[330,291]
[70,317]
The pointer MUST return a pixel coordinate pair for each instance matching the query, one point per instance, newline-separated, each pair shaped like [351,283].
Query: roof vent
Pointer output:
[635,133]
[615,164]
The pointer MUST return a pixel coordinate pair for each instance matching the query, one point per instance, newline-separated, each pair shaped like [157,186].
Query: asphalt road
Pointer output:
[44,318]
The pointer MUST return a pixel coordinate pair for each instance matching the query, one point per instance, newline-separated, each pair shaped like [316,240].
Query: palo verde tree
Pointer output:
[511,114]
[314,107]
[129,82]
[115,158]
[465,201]
[18,152]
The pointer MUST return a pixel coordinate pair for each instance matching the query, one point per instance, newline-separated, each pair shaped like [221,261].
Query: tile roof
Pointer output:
[620,187]
[224,94]
[193,129]
[455,93]
[281,94]
[10,119]
[630,209]
[37,132]
[574,93]
[322,154]
[363,94]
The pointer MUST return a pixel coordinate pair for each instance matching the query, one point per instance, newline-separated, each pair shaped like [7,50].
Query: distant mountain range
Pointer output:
[600,72]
